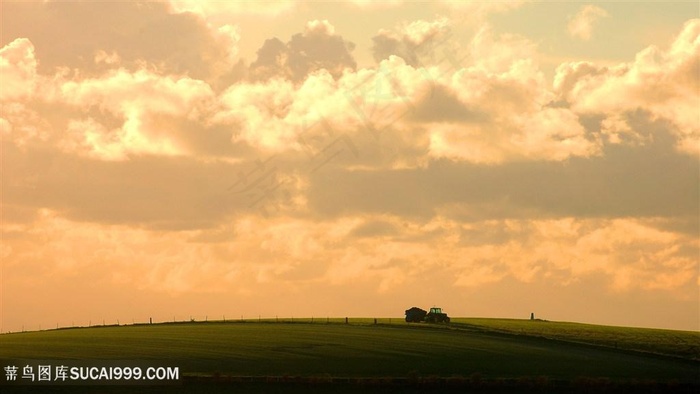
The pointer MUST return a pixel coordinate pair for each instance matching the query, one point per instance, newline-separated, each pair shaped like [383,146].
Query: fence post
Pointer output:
[346,320]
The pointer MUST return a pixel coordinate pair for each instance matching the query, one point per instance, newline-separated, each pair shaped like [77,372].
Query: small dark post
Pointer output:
[346,320]
[375,321]
[150,320]
[532,316]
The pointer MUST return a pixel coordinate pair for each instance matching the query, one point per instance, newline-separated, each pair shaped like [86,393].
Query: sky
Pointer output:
[209,160]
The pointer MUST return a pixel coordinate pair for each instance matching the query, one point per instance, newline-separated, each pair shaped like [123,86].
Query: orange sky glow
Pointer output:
[184,159]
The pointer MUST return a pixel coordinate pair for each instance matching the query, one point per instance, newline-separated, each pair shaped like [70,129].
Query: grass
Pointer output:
[467,348]
[682,344]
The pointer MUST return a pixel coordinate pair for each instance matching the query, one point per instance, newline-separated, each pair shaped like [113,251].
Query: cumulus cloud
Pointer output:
[138,99]
[487,109]
[136,33]
[397,116]
[20,84]
[317,48]
[410,41]
[293,116]
[662,82]
[495,96]
[501,79]
[320,27]
[260,111]
[106,116]
[107,58]
[17,70]
[581,25]
[551,134]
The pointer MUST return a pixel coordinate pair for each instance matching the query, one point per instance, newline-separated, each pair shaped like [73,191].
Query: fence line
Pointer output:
[141,321]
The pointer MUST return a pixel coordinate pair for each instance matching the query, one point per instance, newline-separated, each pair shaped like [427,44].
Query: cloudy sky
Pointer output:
[177,159]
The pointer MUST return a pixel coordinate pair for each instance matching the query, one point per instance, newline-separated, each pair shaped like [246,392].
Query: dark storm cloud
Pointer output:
[643,181]
[440,104]
[374,228]
[302,55]
[271,60]
[384,46]
[414,42]
[213,141]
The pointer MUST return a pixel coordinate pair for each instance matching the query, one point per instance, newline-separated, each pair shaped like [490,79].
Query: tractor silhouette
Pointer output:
[417,315]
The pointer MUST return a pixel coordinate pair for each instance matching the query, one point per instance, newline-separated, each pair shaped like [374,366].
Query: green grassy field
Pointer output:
[488,348]
[682,344]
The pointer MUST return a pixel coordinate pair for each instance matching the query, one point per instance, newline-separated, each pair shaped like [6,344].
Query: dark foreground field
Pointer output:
[470,354]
